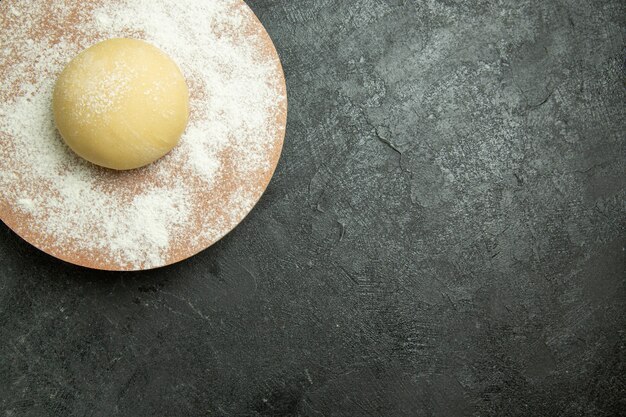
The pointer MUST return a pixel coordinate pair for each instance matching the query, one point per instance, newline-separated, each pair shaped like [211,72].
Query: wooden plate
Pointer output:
[31,29]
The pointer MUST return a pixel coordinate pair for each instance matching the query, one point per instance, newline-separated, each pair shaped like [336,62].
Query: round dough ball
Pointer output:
[121,104]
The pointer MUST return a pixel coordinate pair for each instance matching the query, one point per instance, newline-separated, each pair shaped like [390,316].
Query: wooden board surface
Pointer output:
[209,206]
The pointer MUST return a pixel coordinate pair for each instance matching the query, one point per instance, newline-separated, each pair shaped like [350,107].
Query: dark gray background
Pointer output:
[444,236]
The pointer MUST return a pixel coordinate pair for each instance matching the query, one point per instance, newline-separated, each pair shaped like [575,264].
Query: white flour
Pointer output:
[85,209]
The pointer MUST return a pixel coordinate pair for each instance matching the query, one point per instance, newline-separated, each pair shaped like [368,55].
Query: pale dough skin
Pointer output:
[121,104]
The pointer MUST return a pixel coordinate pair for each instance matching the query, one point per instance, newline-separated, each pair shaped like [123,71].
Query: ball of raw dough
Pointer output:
[121,104]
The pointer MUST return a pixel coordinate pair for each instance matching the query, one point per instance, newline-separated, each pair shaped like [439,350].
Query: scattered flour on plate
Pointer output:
[134,220]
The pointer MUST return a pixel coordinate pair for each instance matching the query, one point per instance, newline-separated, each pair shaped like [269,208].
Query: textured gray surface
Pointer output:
[444,236]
